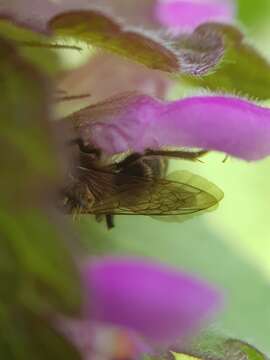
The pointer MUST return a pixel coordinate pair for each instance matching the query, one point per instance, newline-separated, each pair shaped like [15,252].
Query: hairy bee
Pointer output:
[137,185]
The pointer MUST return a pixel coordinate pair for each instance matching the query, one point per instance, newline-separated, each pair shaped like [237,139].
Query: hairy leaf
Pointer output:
[242,70]
[103,30]
[100,30]
[200,50]
[239,350]
[153,51]
[219,348]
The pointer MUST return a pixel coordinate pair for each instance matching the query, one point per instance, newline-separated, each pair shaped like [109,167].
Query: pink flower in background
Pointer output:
[152,304]
[186,15]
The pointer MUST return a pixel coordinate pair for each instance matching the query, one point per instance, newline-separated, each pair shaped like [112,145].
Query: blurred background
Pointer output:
[231,246]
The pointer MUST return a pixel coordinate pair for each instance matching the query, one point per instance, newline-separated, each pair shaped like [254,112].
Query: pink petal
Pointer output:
[106,75]
[188,14]
[138,122]
[158,303]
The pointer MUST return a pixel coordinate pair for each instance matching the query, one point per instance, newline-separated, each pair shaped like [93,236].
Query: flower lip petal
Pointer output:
[159,303]
[137,122]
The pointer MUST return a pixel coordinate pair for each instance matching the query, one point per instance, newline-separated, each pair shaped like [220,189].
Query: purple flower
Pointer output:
[159,303]
[181,15]
[152,303]
[138,122]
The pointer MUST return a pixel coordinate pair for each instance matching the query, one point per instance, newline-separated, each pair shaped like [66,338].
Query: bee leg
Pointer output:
[84,148]
[225,158]
[110,221]
[186,155]
[129,160]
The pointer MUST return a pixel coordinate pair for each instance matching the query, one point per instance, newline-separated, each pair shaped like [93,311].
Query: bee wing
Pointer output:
[207,189]
[181,194]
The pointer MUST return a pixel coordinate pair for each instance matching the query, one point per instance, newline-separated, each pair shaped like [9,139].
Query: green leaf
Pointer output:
[242,70]
[215,348]
[38,263]
[26,336]
[195,54]
[101,31]
[253,13]
[37,271]
[29,45]
[47,278]
[220,348]
[239,350]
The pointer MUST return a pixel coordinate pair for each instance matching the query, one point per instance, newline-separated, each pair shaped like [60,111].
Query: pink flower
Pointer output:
[186,15]
[152,304]
[137,122]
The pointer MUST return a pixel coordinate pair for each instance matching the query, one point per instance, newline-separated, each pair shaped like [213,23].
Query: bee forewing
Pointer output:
[181,194]
[207,198]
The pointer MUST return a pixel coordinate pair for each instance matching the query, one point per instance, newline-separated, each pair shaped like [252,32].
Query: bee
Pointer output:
[137,185]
